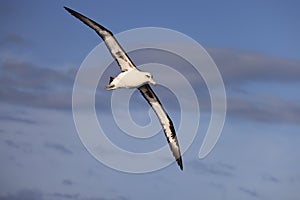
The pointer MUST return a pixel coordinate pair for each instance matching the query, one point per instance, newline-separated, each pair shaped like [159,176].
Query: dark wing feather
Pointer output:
[112,44]
[165,121]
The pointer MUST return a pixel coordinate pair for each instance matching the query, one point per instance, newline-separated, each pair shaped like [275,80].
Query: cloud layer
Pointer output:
[39,86]
[237,67]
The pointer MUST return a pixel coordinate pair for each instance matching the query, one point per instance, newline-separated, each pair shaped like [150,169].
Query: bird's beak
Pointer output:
[152,81]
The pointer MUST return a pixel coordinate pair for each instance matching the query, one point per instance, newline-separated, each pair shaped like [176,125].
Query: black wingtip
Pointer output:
[68,9]
[179,162]
[73,12]
[92,24]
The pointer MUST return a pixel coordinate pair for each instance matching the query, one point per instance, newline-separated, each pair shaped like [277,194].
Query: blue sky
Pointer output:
[255,45]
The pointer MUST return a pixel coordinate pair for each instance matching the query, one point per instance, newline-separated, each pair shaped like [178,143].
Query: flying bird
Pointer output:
[132,77]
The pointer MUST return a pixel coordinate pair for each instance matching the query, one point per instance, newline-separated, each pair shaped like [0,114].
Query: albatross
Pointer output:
[131,77]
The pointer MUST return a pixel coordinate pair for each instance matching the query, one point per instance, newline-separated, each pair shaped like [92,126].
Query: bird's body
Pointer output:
[131,77]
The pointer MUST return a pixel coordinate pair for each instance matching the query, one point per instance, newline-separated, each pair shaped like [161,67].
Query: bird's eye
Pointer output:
[148,76]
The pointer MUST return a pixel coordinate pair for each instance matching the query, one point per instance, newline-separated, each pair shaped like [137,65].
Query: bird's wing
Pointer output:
[165,121]
[112,44]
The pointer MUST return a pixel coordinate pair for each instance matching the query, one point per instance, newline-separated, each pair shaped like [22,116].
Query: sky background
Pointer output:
[255,45]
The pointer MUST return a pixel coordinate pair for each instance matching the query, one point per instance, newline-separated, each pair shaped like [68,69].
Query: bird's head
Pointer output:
[149,78]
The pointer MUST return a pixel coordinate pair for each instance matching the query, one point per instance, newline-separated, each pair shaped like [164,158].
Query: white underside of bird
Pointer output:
[132,78]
